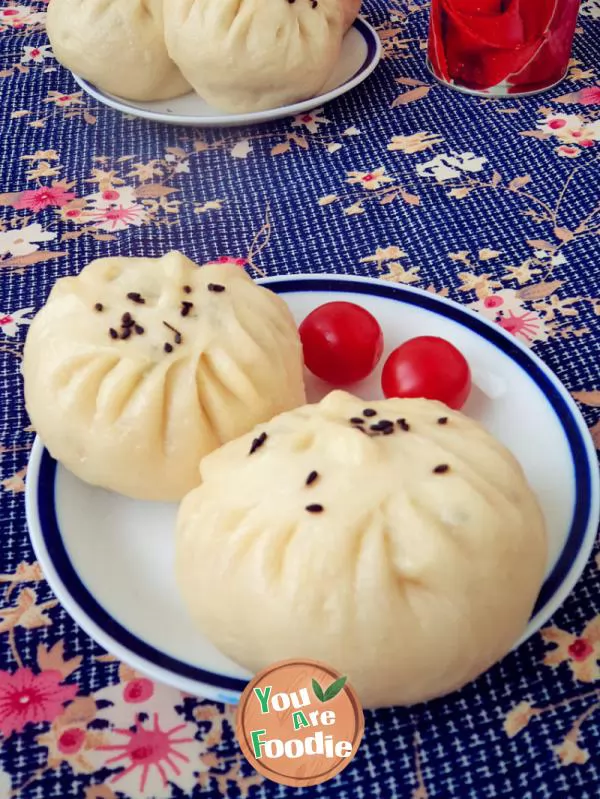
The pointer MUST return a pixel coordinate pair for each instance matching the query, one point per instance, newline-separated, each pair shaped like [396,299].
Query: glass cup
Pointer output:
[501,47]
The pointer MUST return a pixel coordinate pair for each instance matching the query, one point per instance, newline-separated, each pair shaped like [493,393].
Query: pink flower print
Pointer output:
[580,649]
[118,217]
[568,151]
[73,212]
[137,691]
[507,310]
[71,741]
[590,96]
[45,197]
[148,749]
[525,325]
[148,744]
[493,302]
[27,698]
[227,259]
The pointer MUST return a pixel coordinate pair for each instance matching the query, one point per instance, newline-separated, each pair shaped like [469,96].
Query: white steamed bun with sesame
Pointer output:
[137,368]
[251,55]
[399,542]
[118,45]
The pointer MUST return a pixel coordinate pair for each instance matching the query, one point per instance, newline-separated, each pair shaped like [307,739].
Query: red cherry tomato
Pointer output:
[342,342]
[428,367]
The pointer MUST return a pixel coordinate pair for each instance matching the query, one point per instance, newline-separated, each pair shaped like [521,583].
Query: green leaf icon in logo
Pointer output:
[334,689]
[318,691]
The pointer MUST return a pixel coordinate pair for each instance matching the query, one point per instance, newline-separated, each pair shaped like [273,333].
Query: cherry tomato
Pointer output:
[342,342]
[428,367]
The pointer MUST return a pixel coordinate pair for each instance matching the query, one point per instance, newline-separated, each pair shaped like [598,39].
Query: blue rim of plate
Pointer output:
[373,45]
[368,33]
[585,502]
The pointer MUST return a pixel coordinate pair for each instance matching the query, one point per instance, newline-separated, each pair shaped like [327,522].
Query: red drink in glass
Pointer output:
[501,47]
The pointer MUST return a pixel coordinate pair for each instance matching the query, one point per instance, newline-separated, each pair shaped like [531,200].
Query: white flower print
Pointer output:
[10,322]
[123,196]
[555,124]
[37,55]
[19,16]
[24,241]
[591,8]
[568,151]
[555,260]
[5,783]
[571,129]
[448,166]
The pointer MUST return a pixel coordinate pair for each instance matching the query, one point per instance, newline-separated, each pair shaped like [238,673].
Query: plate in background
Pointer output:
[361,53]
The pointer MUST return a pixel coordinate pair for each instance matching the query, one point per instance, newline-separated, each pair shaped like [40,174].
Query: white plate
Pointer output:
[361,52]
[110,559]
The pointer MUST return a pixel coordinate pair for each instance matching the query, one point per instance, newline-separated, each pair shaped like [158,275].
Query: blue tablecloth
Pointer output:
[490,203]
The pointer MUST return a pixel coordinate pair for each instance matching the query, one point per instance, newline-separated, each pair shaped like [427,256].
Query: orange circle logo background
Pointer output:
[339,721]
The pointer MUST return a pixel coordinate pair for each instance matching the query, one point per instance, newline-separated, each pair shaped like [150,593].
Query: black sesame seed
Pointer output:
[139,330]
[125,333]
[127,320]
[168,348]
[369,412]
[187,289]
[257,443]
[311,478]
[315,508]
[178,337]
[113,333]
[441,469]
[186,307]
[99,307]
[443,420]
[357,420]
[403,425]
[217,288]
[136,297]
[382,425]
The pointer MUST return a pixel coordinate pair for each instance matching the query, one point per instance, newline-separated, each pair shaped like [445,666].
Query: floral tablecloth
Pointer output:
[495,204]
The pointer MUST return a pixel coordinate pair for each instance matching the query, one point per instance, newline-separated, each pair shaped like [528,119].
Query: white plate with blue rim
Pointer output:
[360,55]
[109,559]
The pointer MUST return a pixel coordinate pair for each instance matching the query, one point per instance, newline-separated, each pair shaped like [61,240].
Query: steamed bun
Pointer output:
[137,368]
[251,55]
[408,556]
[118,45]
[351,10]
